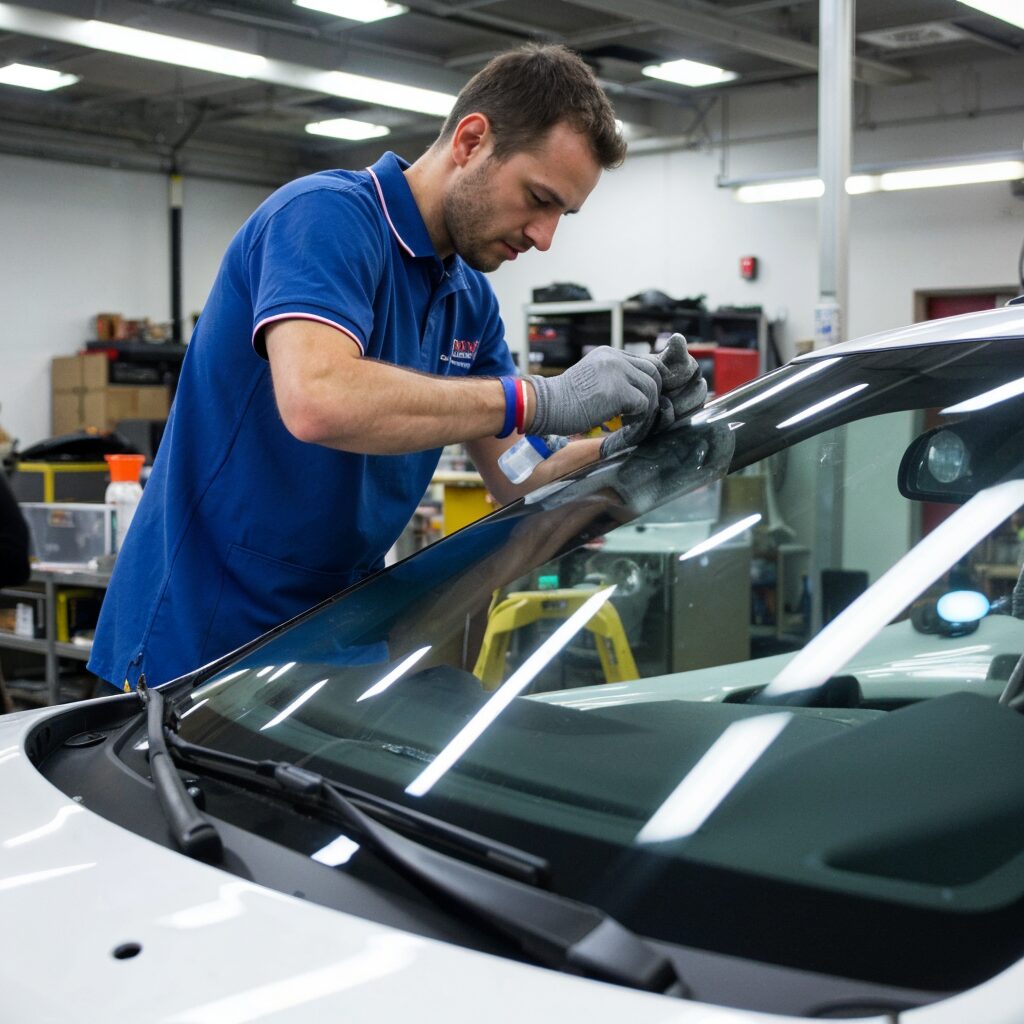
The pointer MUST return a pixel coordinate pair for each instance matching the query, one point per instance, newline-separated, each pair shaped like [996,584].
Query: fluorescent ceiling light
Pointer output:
[354,10]
[101,35]
[387,94]
[28,77]
[883,181]
[960,174]
[859,184]
[1004,10]
[186,53]
[689,72]
[346,128]
[780,191]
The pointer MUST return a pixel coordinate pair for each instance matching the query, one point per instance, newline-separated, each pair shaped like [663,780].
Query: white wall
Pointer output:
[75,241]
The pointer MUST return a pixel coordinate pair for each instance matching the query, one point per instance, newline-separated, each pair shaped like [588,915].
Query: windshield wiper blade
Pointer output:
[553,930]
[193,833]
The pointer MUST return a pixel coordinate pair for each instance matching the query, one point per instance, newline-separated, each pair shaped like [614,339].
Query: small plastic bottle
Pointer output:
[123,492]
[519,461]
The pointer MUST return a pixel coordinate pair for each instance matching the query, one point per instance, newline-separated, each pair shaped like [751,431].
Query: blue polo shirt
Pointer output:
[241,526]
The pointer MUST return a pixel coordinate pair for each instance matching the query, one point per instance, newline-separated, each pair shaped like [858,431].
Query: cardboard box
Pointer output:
[83,399]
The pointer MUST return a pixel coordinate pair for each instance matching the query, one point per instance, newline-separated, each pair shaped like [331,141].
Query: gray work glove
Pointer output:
[605,383]
[683,389]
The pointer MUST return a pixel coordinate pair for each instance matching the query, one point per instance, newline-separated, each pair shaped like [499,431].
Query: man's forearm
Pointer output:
[389,410]
[573,456]
[329,394]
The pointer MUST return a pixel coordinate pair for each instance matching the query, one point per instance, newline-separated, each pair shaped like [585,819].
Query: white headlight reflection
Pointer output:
[810,371]
[53,825]
[195,707]
[987,398]
[394,675]
[294,706]
[281,671]
[721,537]
[506,693]
[338,851]
[206,687]
[825,403]
[225,907]
[381,956]
[713,777]
[18,881]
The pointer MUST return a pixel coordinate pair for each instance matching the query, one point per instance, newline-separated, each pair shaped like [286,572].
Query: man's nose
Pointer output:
[540,232]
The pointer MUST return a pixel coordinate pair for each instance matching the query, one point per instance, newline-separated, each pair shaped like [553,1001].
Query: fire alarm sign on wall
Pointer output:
[748,267]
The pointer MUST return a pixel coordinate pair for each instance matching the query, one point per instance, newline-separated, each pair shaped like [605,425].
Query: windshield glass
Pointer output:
[752,674]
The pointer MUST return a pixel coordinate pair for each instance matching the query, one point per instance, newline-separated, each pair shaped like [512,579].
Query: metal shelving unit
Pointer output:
[48,646]
[718,324]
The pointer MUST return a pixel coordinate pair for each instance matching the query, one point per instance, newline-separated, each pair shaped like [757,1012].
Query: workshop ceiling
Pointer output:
[143,113]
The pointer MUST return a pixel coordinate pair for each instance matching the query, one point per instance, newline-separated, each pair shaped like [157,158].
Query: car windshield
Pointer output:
[751,687]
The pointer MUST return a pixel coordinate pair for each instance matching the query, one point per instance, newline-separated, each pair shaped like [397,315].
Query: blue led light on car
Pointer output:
[963,606]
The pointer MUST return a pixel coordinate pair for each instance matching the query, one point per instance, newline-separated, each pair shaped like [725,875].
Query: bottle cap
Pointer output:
[125,468]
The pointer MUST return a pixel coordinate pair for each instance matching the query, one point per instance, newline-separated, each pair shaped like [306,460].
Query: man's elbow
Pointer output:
[306,423]
[316,422]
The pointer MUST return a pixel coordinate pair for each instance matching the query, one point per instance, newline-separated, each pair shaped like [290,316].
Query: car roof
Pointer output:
[988,325]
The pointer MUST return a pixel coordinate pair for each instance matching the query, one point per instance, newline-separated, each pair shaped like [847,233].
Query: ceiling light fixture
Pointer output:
[346,128]
[355,10]
[1005,10]
[689,72]
[387,94]
[156,46]
[960,174]
[25,76]
[781,191]
[186,53]
[880,180]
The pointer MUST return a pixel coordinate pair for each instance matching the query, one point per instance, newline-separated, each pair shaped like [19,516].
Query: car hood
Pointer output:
[215,948]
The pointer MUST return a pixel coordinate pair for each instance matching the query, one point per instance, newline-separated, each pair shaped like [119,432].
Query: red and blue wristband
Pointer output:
[515,405]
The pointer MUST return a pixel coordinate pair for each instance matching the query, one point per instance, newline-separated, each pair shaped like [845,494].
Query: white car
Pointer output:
[724,729]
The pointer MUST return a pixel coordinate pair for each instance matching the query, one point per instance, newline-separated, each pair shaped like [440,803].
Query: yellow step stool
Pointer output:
[523,607]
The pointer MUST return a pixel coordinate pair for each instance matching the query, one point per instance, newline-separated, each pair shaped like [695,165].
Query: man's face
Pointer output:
[494,210]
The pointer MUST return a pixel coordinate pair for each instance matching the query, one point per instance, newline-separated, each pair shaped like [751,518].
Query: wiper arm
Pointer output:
[555,931]
[193,833]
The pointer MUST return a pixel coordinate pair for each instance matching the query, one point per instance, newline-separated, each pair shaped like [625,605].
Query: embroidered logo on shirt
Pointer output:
[464,351]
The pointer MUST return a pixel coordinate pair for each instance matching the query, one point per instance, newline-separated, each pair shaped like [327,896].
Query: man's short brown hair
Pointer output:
[524,93]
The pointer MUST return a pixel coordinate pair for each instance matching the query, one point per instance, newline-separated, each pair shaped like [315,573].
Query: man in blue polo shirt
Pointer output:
[349,335]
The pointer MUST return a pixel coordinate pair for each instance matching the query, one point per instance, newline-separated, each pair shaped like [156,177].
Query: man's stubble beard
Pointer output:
[468,211]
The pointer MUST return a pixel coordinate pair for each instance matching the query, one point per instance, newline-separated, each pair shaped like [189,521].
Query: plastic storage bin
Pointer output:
[68,533]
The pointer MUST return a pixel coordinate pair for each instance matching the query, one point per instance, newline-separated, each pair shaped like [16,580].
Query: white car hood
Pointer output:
[217,949]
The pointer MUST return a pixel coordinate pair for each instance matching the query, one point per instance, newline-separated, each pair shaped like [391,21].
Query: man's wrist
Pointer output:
[530,404]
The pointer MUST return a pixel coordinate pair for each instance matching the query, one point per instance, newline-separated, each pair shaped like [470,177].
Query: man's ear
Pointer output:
[471,138]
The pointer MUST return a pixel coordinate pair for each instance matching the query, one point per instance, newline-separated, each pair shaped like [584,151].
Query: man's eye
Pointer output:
[538,200]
